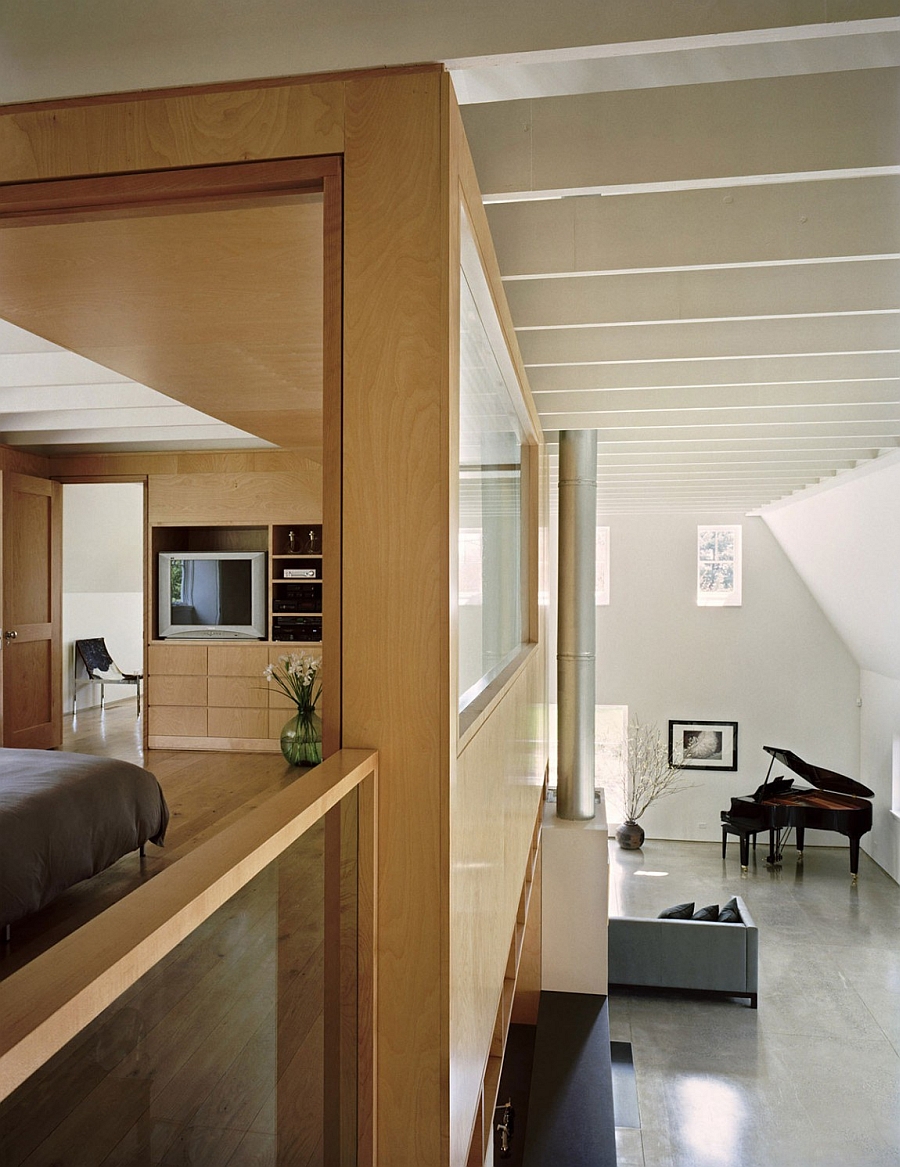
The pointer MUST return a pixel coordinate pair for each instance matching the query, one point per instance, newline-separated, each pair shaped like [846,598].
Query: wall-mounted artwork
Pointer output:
[703,745]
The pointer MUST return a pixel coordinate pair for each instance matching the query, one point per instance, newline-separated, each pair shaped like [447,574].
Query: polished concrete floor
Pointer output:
[810,1078]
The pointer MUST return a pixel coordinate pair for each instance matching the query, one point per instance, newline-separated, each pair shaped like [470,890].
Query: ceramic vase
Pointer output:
[630,836]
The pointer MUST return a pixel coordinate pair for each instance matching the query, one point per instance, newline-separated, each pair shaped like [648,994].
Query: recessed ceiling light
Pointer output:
[654,874]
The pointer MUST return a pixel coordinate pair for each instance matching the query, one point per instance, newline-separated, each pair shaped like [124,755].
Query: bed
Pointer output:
[65,817]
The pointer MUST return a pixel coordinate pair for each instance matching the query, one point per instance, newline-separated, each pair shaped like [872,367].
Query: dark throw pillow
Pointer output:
[710,912]
[730,913]
[678,912]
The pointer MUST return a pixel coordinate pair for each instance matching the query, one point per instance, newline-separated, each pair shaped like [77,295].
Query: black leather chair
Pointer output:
[745,829]
[101,667]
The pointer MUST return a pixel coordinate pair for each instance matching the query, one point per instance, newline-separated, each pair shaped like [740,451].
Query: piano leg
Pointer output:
[801,831]
[774,856]
[854,858]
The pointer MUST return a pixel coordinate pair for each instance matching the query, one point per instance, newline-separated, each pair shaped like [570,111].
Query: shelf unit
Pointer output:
[481,1144]
[205,694]
[295,609]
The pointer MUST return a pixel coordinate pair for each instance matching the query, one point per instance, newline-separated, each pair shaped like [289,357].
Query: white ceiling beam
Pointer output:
[855,45]
[115,418]
[742,397]
[786,223]
[721,339]
[875,432]
[100,436]
[824,288]
[43,398]
[19,370]
[816,369]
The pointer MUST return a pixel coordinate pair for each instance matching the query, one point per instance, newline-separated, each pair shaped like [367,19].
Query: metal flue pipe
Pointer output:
[577,620]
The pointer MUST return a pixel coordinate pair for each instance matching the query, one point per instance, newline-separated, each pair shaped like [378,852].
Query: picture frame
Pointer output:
[703,745]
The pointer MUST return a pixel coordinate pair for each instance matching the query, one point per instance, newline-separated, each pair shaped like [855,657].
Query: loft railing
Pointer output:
[223,1011]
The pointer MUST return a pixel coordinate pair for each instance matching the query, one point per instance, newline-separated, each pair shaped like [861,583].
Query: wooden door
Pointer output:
[31,653]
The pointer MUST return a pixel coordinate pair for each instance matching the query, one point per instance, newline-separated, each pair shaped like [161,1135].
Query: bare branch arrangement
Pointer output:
[650,775]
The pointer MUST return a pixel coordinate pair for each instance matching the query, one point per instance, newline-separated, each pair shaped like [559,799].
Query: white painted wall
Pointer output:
[843,537]
[775,665]
[880,737]
[103,579]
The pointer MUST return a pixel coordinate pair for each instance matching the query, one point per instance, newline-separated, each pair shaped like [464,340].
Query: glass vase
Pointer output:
[301,738]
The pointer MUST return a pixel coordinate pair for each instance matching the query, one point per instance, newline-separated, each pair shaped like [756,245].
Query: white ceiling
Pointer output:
[52,399]
[696,210]
[700,241]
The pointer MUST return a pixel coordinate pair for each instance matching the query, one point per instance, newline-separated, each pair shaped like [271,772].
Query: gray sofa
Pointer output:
[698,955]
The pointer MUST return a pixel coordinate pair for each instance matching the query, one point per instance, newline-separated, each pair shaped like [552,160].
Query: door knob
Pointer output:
[11,635]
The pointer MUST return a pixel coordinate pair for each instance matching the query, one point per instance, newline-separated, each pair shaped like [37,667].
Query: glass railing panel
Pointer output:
[225,1051]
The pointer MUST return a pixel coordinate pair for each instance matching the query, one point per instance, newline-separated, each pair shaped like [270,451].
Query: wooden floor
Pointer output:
[206,792]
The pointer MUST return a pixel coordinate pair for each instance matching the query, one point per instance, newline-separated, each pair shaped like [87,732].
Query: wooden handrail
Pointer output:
[51,999]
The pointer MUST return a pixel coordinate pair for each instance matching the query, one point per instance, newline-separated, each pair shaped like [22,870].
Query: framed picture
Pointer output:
[703,745]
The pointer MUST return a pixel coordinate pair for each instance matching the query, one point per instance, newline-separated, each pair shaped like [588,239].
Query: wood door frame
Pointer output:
[111,480]
[71,199]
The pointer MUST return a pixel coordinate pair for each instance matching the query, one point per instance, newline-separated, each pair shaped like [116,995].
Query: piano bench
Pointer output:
[745,829]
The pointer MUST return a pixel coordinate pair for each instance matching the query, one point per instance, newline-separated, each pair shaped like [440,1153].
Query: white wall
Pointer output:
[844,539]
[103,580]
[775,665]
[880,730]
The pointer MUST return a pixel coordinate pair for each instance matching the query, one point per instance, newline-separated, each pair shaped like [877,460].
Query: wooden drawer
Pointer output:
[238,723]
[278,700]
[177,721]
[169,690]
[186,660]
[238,692]
[278,719]
[238,660]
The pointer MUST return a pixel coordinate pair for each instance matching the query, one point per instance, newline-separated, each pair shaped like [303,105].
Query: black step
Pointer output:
[570,1108]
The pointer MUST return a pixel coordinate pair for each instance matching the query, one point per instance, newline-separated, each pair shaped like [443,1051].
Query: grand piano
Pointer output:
[831,802]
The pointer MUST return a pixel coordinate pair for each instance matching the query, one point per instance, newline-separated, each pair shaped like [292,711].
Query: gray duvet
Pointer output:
[65,817]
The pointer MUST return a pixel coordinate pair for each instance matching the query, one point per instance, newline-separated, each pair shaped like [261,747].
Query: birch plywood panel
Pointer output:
[236,497]
[493,807]
[163,690]
[238,660]
[185,660]
[238,693]
[178,130]
[176,721]
[219,307]
[395,681]
[238,723]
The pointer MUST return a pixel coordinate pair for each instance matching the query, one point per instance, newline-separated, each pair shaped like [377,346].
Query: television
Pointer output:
[212,595]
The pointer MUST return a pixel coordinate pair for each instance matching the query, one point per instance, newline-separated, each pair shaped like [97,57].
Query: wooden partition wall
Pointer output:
[444,802]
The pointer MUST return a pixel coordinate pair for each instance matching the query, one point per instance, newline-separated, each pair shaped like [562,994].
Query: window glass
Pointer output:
[718,566]
[491,573]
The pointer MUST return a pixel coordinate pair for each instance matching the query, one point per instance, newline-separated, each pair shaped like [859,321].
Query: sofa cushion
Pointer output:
[710,912]
[730,913]
[678,912]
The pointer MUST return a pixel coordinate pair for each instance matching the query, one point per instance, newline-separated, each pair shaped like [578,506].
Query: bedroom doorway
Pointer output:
[103,588]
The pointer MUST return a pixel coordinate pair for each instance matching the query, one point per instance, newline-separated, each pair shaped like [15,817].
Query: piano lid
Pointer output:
[817,776]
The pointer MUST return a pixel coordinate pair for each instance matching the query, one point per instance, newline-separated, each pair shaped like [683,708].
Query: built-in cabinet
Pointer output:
[212,695]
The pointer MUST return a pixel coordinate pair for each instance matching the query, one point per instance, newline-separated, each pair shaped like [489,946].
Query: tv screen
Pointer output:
[212,594]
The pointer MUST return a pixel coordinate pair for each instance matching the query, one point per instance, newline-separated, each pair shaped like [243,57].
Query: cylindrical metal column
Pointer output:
[577,621]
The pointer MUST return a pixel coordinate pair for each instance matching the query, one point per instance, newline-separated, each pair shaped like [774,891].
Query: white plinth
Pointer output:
[574,903]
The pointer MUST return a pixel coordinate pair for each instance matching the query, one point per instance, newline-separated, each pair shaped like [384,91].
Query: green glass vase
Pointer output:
[301,738]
